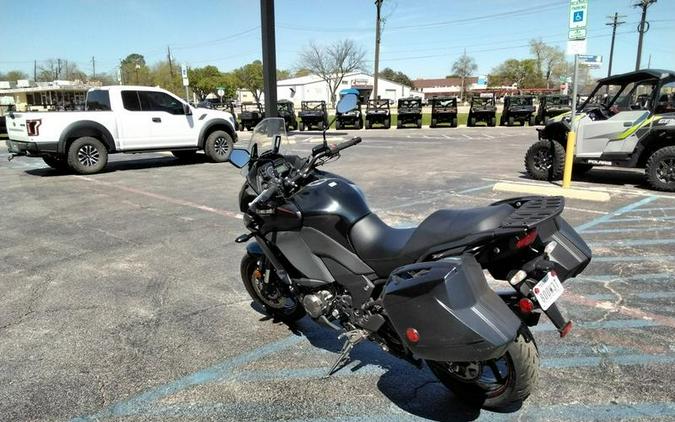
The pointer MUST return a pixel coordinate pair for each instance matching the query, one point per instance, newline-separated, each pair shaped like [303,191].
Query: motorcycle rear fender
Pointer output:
[457,315]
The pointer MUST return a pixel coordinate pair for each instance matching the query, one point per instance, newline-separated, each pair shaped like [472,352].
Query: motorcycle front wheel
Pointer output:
[500,384]
[273,296]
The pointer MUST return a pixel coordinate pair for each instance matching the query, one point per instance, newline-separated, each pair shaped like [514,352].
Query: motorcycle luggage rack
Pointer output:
[533,211]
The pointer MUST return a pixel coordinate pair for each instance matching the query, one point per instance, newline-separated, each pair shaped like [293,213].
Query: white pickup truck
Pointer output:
[122,118]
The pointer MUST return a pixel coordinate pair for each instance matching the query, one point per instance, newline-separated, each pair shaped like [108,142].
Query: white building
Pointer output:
[313,88]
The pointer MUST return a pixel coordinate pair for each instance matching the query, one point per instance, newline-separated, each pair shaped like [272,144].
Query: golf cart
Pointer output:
[251,114]
[378,113]
[313,115]
[482,109]
[443,110]
[630,124]
[517,108]
[286,111]
[552,106]
[409,112]
[353,118]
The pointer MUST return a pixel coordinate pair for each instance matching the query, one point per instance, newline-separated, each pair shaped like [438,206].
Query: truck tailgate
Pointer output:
[16,127]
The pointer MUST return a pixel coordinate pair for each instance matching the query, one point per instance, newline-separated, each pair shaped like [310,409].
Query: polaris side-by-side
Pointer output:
[627,121]
[551,106]
[286,110]
[315,248]
[313,115]
[409,112]
[378,113]
[443,111]
[517,109]
[483,109]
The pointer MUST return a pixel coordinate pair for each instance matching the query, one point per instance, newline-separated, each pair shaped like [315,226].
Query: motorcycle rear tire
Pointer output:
[523,374]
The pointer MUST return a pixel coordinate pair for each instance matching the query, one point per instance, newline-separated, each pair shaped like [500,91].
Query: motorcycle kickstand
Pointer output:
[354,337]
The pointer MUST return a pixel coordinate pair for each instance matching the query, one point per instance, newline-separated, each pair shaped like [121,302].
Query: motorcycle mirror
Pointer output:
[239,157]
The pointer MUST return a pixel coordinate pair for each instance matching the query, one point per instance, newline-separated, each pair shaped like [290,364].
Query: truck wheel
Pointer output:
[218,146]
[510,120]
[87,155]
[545,160]
[55,163]
[399,124]
[184,155]
[661,169]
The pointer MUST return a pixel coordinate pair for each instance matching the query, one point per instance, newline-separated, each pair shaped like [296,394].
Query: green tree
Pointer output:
[550,61]
[206,80]
[522,73]
[302,72]
[284,74]
[398,77]
[135,71]
[167,77]
[13,75]
[250,77]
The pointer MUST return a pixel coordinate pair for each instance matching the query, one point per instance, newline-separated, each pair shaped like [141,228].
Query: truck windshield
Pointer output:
[97,100]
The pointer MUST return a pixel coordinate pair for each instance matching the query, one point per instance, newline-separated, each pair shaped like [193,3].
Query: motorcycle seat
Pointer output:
[385,248]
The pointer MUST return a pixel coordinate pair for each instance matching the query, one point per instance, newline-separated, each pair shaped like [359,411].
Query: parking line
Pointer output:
[623,210]
[629,230]
[654,209]
[164,198]
[652,277]
[632,258]
[634,242]
[641,295]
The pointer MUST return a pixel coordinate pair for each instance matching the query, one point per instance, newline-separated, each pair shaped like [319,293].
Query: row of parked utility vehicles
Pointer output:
[518,109]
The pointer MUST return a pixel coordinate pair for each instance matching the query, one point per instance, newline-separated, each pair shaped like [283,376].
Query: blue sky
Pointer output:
[420,38]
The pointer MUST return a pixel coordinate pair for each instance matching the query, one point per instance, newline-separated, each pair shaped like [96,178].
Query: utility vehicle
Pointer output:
[409,112]
[443,111]
[551,106]
[353,117]
[286,110]
[482,109]
[251,114]
[313,115]
[378,113]
[627,121]
[517,108]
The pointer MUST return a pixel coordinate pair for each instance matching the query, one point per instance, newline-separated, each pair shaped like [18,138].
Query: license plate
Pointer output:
[548,290]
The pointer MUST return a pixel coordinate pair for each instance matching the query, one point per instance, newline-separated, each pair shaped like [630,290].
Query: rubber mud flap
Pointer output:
[457,315]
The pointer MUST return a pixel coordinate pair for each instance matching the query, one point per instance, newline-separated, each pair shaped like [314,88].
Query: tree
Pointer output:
[522,73]
[398,77]
[59,69]
[13,75]
[105,78]
[284,74]
[332,62]
[134,70]
[206,80]
[464,67]
[250,77]
[167,76]
[302,72]
[550,60]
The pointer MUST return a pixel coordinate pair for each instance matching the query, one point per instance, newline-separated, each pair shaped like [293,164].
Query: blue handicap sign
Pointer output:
[578,16]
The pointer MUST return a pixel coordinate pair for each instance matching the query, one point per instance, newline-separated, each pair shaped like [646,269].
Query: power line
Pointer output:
[644,4]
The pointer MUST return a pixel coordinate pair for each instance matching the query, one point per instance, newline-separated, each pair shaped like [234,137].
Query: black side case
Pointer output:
[457,315]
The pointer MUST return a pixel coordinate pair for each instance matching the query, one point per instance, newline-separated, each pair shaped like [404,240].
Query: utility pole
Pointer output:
[614,23]
[93,67]
[58,68]
[168,55]
[644,4]
[269,53]
[378,5]
[461,92]
[34,70]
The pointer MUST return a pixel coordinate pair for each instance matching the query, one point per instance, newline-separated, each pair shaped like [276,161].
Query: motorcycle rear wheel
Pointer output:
[500,384]
[274,298]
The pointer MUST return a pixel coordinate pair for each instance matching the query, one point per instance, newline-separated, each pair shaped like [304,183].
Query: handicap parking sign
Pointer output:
[578,16]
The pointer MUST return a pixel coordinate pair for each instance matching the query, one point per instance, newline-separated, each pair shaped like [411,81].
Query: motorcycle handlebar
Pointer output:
[264,196]
[350,143]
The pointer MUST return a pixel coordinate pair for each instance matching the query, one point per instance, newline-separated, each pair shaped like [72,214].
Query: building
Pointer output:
[446,87]
[46,96]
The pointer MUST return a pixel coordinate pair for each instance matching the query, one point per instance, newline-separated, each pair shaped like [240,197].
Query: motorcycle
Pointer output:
[419,293]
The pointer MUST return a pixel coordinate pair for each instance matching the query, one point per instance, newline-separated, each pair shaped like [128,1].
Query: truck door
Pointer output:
[170,126]
[133,125]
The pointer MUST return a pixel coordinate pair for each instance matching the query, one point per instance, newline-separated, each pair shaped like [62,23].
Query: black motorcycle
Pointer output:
[419,293]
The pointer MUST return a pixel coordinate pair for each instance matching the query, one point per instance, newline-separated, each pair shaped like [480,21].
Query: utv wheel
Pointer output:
[387,123]
[454,122]
[369,124]
[275,299]
[500,384]
[472,121]
[55,163]
[184,155]
[433,123]
[545,160]
[302,127]
[531,122]
[399,125]
[218,146]
[419,123]
[87,155]
[511,121]
[660,169]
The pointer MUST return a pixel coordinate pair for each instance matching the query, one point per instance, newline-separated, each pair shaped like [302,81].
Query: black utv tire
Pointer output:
[660,169]
[218,146]
[471,122]
[369,124]
[419,123]
[184,155]
[523,373]
[493,121]
[387,123]
[55,163]
[532,121]
[338,126]
[454,122]
[511,121]
[249,265]
[545,160]
[87,155]
[433,123]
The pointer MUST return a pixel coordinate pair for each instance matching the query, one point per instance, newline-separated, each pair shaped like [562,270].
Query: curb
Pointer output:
[586,195]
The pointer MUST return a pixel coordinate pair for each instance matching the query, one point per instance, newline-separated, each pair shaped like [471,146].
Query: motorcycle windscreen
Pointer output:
[457,316]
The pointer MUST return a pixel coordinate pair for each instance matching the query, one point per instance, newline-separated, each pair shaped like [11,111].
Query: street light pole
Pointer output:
[378,5]
[644,4]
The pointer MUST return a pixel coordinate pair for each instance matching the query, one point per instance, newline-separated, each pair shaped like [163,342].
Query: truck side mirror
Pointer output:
[187,110]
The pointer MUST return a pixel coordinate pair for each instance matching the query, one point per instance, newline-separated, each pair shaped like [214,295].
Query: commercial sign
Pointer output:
[590,60]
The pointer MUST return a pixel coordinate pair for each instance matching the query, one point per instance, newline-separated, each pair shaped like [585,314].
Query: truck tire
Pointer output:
[55,163]
[184,155]
[545,160]
[218,146]
[660,169]
[87,155]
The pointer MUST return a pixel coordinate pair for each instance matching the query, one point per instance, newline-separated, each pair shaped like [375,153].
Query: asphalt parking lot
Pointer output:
[122,298]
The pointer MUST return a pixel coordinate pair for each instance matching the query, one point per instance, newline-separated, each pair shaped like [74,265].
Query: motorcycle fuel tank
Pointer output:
[332,196]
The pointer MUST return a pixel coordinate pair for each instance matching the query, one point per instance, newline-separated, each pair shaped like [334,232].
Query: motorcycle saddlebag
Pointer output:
[572,255]
[457,315]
